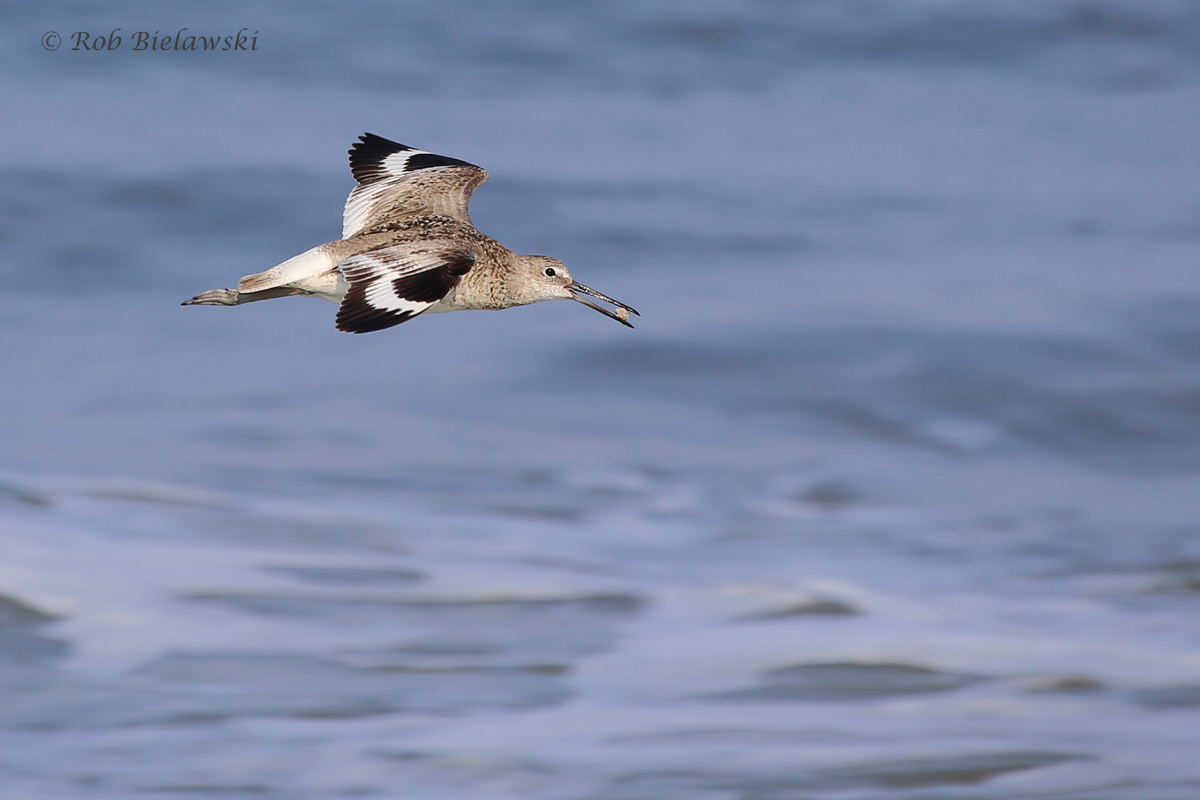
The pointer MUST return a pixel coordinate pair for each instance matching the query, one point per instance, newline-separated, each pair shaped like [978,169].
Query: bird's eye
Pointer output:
[550,272]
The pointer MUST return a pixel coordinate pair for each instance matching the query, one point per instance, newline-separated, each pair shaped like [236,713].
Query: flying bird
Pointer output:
[408,247]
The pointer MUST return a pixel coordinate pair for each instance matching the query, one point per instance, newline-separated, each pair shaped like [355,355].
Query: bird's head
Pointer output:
[545,278]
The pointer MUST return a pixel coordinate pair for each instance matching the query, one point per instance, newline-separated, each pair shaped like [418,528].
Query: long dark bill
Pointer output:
[578,290]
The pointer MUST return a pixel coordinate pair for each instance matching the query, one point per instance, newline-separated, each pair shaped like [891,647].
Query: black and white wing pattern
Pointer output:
[396,181]
[394,284]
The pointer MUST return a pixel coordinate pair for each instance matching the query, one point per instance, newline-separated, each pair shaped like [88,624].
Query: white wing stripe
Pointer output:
[395,163]
[360,203]
[381,295]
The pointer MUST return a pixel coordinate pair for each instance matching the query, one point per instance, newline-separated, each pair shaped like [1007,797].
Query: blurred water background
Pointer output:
[892,494]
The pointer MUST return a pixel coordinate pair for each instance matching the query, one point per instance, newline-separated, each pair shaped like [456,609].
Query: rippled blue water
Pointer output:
[892,493]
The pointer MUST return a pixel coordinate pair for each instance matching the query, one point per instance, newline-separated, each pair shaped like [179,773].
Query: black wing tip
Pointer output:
[367,153]
[372,325]
[373,141]
[357,315]
[359,319]
[432,160]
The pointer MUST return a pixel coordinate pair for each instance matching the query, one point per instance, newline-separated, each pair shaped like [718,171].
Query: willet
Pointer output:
[408,247]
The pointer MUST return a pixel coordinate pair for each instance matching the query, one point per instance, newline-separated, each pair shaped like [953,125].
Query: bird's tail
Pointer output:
[216,297]
[233,297]
[296,269]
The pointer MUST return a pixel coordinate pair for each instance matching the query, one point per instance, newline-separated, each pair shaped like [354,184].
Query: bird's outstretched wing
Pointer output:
[396,182]
[394,284]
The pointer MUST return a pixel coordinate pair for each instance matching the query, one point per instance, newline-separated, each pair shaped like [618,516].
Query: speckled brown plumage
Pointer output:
[408,247]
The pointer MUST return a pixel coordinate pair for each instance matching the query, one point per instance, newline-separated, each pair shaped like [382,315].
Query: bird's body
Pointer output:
[319,272]
[408,247]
